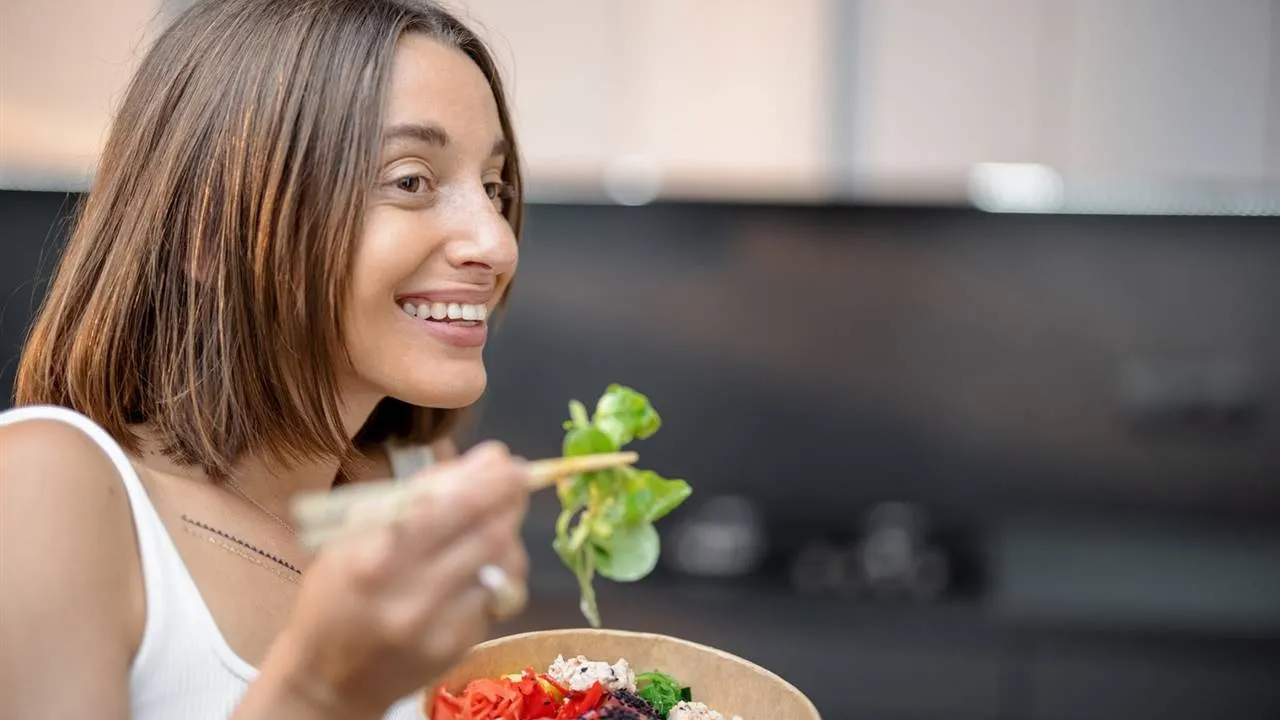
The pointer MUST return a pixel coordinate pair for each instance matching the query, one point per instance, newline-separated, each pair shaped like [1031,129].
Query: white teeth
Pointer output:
[447,311]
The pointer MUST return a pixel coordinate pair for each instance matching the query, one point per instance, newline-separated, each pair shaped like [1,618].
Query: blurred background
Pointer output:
[963,317]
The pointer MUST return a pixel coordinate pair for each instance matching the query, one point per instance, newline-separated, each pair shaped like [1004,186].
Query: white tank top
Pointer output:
[184,668]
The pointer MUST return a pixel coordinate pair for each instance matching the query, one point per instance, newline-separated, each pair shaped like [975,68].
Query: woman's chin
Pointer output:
[444,393]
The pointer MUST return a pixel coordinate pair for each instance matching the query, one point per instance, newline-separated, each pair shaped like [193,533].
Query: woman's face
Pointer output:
[436,252]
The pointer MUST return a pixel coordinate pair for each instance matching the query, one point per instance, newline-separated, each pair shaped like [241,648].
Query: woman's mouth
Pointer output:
[447,312]
[459,324]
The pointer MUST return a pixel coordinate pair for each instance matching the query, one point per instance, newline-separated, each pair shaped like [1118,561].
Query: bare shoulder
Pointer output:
[43,443]
[73,602]
[58,470]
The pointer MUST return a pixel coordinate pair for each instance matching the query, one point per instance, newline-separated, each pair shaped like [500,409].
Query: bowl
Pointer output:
[725,682]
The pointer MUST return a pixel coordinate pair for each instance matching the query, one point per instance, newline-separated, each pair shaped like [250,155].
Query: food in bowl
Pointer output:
[574,688]
[680,679]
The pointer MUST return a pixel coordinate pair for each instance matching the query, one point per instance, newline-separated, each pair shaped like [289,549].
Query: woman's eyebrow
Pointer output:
[433,134]
[429,133]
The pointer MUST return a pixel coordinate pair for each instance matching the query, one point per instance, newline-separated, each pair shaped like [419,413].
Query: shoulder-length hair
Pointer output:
[200,290]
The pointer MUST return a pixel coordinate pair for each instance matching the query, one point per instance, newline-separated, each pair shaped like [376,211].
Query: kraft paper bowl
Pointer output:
[725,682]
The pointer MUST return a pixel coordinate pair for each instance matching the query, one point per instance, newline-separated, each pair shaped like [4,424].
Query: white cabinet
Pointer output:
[1123,95]
[1273,96]
[563,67]
[1158,91]
[715,97]
[763,99]
[939,86]
[729,97]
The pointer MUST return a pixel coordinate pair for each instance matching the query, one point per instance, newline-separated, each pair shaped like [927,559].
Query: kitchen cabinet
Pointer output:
[726,97]
[1127,97]
[563,69]
[937,87]
[708,99]
[1273,97]
[870,100]
[1156,92]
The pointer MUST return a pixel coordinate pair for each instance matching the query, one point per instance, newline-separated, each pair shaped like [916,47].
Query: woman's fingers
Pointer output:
[407,600]
[456,566]
[461,623]
[467,613]
[482,483]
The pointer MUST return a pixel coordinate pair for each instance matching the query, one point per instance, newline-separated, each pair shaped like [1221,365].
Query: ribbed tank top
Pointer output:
[184,668]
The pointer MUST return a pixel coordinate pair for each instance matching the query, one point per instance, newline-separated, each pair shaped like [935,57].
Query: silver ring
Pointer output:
[506,598]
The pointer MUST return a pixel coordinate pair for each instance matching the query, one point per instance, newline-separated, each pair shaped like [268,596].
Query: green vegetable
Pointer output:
[662,691]
[606,517]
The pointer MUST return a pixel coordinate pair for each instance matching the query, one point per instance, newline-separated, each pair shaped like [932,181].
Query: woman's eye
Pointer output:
[500,193]
[413,184]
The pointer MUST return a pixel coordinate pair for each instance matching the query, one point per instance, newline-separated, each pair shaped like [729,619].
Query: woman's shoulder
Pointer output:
[47,439]
[67,528]
[57,446]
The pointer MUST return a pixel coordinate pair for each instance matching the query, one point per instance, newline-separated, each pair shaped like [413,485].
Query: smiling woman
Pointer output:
[303,221]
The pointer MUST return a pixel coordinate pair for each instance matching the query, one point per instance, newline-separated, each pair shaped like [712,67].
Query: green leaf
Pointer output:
[577,415]
[573,492]
[586,441]
[624,414]
[614,509]
[615,498]
[666,495]
[629,554]
[637,506]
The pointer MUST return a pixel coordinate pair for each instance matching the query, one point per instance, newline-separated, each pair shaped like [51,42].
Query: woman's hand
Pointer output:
[384,613]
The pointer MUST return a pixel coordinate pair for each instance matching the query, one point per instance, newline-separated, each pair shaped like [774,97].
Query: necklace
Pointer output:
[223,545]
[278,520]
[247,546]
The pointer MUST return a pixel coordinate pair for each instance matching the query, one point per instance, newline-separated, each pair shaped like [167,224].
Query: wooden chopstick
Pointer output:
[545,473]
[320,517]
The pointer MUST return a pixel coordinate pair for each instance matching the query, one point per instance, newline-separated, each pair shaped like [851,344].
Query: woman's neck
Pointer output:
[265,479]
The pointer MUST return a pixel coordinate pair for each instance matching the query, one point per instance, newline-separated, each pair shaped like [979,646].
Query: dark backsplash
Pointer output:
[818,358]
[1088,407]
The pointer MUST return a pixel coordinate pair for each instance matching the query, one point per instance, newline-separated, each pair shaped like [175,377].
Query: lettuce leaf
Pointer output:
[606,519]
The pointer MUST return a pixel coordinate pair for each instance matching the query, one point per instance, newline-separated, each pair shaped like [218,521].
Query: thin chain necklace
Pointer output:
[248,546]
[278,520]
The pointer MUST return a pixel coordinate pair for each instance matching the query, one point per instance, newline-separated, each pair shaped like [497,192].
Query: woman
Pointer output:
[304,217]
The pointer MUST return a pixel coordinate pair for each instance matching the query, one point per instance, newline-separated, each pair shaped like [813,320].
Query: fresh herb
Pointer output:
[662,691]
[606,518]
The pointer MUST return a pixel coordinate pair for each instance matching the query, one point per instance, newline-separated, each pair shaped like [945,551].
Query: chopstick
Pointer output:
[321,517]
[545,473]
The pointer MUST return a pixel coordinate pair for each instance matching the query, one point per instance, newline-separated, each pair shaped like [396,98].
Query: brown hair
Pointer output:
[201,287]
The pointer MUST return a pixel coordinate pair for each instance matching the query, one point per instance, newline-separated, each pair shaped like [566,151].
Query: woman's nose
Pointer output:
[483,237]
